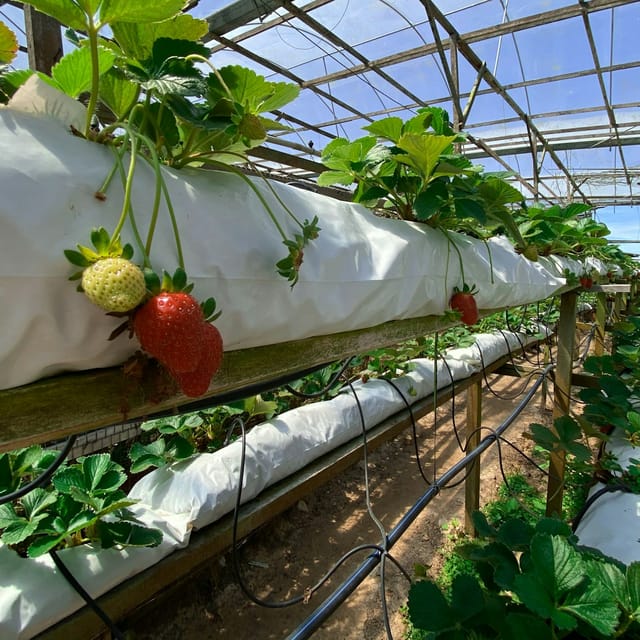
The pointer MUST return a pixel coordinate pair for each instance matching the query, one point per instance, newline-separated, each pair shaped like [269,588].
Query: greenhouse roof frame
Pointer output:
[544,90]
[447,45]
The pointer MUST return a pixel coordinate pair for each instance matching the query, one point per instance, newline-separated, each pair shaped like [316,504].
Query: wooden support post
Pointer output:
[44,40]
[562,395]
[601,319]
[472,482]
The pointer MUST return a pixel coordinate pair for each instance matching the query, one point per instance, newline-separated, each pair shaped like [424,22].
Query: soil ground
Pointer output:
[292,552]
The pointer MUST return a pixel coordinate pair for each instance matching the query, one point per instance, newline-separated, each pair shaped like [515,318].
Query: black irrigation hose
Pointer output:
[327,387]
[608,488]
[490,388]
[313,622]
[43,477]
[453,405]
[414,430]
[115,632]
[309,591]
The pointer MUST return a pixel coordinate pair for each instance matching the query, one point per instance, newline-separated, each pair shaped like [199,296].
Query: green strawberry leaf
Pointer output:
[138,11]
[136,39]
[73,74]
[65,12]
[8,44]
[429,609]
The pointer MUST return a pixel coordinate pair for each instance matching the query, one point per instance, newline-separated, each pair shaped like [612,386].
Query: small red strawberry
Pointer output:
[463,301]
[170,327]
[586,281]
[195,383]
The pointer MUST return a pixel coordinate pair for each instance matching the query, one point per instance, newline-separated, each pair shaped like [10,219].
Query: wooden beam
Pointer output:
[44,40]
[472,481]
[55,408]
[562,395]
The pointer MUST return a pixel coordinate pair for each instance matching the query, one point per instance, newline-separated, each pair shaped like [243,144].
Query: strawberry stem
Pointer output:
[136,233]
[92,33]
[127,190]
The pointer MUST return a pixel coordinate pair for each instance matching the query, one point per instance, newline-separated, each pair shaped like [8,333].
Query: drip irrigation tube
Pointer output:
[329,606]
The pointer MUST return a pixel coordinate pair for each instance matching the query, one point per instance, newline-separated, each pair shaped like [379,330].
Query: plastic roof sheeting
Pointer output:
[560,76]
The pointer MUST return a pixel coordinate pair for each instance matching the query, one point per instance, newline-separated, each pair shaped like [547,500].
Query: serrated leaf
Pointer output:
[73,74]
[467,598]
[65,12]
[118,92]
[388,128]
[328,178]
[139,10]
[596,606]
[18,531]
[37,500]
[127,534]
[136,39]
[422,152]
[429,609]
[67,478]
[43,545]
[8,44]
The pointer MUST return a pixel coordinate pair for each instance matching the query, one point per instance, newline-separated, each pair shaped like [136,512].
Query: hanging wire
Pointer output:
[308,593]
[414,429]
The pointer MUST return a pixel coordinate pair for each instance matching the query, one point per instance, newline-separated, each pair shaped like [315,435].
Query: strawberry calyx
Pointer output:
[466,289]
[178,282]
[104,246]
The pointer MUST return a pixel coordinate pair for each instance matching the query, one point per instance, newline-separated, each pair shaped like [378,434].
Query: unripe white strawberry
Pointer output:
[114,284]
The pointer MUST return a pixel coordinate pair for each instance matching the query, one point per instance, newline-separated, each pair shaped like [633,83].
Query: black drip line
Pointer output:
[414,429]
[608,488]
[93,605]
[314,621]
[488,384]
[43,477]
[380,549]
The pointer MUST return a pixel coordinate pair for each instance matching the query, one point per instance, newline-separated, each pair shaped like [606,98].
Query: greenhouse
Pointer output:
[321,319]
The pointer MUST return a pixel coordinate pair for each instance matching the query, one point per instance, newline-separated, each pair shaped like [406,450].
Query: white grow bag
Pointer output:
[611,524]
[363,270]
[193,493]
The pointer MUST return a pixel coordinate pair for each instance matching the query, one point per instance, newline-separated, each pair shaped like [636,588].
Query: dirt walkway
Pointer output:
[289,555]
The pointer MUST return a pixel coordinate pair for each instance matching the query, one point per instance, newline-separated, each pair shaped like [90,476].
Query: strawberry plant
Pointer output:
[530,582]
[411,170]
[83,504]
[154,97]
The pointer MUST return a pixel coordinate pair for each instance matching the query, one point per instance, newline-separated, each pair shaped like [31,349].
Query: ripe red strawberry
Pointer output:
[170,327]
[463,301]
[586,282]
[195,383]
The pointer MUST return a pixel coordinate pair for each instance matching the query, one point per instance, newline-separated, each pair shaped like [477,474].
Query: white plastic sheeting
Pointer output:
[193,493]
[612,521]
[361,271]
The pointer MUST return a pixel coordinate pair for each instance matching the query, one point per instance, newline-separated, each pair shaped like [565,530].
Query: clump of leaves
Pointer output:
[532,582]
[181,436]
[411,169]
[83,504]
